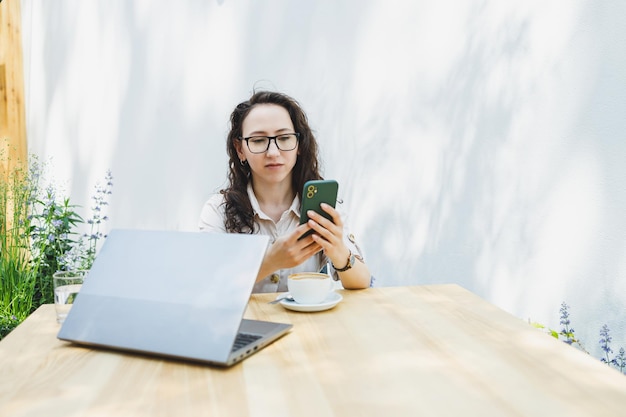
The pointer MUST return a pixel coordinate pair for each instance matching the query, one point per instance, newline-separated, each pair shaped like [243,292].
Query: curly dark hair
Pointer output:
[238,209]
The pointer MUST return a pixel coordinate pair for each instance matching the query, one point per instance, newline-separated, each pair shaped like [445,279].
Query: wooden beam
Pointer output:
[12,108]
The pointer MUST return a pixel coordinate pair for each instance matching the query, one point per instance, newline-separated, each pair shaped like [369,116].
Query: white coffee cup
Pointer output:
[309,287]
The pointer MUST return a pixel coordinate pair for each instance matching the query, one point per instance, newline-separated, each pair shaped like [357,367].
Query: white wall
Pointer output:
[480,143]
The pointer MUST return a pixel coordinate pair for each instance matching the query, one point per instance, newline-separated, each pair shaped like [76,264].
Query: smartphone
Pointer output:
[314,193]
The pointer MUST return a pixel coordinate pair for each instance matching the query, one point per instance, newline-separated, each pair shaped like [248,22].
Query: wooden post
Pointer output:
[13,148]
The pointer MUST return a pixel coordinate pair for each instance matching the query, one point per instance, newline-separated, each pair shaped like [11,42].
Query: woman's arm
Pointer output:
[329,235]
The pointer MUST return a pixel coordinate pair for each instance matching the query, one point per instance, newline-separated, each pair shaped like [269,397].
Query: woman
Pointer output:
[272,154]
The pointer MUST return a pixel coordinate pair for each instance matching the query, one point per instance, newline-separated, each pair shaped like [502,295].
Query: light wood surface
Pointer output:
[13,149]
[404,351]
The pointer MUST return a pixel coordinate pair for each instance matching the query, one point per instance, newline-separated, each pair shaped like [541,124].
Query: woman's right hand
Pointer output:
[288,252]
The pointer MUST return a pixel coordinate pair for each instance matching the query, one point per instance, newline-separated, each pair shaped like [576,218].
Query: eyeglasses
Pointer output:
[284,142]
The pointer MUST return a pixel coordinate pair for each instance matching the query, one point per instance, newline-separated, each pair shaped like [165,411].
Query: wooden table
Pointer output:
[435,350]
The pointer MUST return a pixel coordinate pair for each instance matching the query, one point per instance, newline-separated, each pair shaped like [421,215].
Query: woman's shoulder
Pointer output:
[212,214]
[215,202]
[216,199]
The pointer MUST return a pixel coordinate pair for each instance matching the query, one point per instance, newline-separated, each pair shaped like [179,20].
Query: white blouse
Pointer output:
[212,219]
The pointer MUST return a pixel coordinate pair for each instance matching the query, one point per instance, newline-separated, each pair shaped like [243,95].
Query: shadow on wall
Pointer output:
[494,177]
[459,176]
[124,90]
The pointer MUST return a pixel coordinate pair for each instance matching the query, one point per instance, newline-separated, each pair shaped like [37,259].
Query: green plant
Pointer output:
[567,332]
[17,273]
[567,335]
[39,235]
[618,361]
[56,241]
[51,232]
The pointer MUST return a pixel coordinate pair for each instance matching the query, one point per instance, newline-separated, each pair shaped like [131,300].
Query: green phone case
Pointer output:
[316,192]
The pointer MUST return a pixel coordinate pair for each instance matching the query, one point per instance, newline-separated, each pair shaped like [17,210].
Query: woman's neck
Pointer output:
[274,199]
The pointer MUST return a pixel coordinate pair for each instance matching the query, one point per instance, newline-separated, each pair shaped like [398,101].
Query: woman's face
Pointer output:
[273,166]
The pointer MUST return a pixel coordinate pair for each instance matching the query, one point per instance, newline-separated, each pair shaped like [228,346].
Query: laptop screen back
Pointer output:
[181,294]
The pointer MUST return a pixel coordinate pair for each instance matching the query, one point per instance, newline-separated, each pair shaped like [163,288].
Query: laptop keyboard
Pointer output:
[244,339]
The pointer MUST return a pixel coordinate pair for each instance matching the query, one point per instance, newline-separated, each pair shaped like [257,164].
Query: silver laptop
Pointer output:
[174,294]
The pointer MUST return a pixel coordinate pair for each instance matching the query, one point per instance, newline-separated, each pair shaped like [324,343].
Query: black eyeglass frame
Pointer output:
[269,142]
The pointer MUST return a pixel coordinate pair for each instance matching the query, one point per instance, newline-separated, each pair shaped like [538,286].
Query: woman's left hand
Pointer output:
[329,234]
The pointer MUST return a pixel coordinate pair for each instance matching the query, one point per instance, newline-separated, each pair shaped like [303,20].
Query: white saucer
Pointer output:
[332,300]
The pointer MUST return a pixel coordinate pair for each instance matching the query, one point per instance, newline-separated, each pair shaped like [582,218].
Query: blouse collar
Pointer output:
[294,208]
